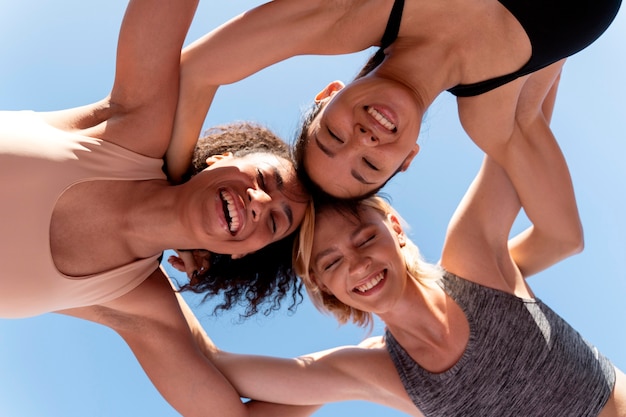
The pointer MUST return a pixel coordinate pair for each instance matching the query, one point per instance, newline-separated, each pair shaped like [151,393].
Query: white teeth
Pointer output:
[231,212]
[370,284]
[380,118]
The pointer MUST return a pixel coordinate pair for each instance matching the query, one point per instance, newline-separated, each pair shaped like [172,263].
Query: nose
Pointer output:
[359,263]
[365,136]
[258,200]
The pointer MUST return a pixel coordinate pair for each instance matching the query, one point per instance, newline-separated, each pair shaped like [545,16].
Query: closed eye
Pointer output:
[366,240]
[261,179]
[264,186]
[273,223]
[330,264]
[335,137]
[370,165]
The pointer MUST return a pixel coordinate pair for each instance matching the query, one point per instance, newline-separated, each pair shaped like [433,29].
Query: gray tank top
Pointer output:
[521,359]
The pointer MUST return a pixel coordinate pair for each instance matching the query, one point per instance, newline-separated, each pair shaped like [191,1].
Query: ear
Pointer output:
[329,90]
[397,227]
[215,158]
[407,161]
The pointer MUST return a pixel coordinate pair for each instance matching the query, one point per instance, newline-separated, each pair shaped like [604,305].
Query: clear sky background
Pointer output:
[60,54]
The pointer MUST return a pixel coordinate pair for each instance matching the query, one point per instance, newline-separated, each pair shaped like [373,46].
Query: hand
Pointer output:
[192,262]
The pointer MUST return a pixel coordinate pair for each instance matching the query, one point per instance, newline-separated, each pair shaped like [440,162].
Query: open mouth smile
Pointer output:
[371,283]
[381,119]
[230,212]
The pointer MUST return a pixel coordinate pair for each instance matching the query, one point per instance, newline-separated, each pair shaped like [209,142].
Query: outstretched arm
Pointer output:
[151,322]
[246,44]
[307,381]
[254,408]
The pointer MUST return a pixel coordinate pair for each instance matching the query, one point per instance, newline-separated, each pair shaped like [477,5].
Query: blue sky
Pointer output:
[61,54]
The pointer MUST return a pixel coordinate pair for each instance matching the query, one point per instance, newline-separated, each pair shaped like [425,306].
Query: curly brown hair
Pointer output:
[265,277]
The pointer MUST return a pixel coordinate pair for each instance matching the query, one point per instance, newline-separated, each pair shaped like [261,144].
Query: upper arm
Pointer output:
[476,239]
[145,90]
[271,33]
[244,45]
[151,322]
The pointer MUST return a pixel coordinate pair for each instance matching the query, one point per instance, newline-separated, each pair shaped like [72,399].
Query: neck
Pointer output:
[427,77]
[155,218]
[421,317]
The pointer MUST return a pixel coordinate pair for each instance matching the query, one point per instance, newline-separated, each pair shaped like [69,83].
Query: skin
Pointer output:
[137,219]
[423,319]
[440,45]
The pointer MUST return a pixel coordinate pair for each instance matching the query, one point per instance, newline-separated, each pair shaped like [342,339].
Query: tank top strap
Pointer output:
[393,24]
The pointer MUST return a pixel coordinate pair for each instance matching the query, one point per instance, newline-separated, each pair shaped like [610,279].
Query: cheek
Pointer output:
[332,281]
[254,242]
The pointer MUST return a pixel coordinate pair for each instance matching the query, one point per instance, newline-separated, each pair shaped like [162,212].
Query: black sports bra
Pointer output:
[556,29]
[393,24]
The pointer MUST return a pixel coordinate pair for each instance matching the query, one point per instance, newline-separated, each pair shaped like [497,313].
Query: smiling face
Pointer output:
[366,132]
[245,203]
[363,266]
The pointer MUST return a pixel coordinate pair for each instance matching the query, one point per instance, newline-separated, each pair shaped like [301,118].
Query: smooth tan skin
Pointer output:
[420,315]
[440,45]
[129,220]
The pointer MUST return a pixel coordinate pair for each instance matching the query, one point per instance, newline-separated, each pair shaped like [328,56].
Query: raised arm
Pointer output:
[254,40]
[139,112]
[541,185]
[557,231]
[145,91]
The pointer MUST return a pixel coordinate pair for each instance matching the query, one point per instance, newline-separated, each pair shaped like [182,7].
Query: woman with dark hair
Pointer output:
[249,280]
[87,211]
[484,53]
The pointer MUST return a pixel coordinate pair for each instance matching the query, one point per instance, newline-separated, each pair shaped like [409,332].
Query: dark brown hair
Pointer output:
[261,280]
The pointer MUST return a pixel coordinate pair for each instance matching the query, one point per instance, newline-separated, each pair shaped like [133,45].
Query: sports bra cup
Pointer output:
[556,29]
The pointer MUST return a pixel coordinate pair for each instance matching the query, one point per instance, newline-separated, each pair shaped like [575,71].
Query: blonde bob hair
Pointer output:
[417,268]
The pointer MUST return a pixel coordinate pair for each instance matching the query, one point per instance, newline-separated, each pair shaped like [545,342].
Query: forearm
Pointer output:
[263,409]
[533,252]
[210,351]
[541,178]
[538,170]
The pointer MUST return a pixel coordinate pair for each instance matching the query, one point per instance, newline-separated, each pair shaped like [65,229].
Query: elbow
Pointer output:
[574,243]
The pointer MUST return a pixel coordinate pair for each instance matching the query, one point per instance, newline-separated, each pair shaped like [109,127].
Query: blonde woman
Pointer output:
[465,337]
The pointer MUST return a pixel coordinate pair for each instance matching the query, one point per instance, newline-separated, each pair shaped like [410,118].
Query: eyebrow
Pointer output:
[330,250]
[323,253]
[280,184]
[322,147]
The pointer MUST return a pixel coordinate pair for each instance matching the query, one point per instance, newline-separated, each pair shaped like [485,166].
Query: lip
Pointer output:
[240,209]
[379,276]
[387,113]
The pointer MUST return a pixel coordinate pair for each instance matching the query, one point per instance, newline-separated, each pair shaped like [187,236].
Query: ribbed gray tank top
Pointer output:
[522,359]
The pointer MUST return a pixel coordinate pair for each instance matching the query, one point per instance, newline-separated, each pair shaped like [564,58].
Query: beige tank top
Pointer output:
[37,164]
